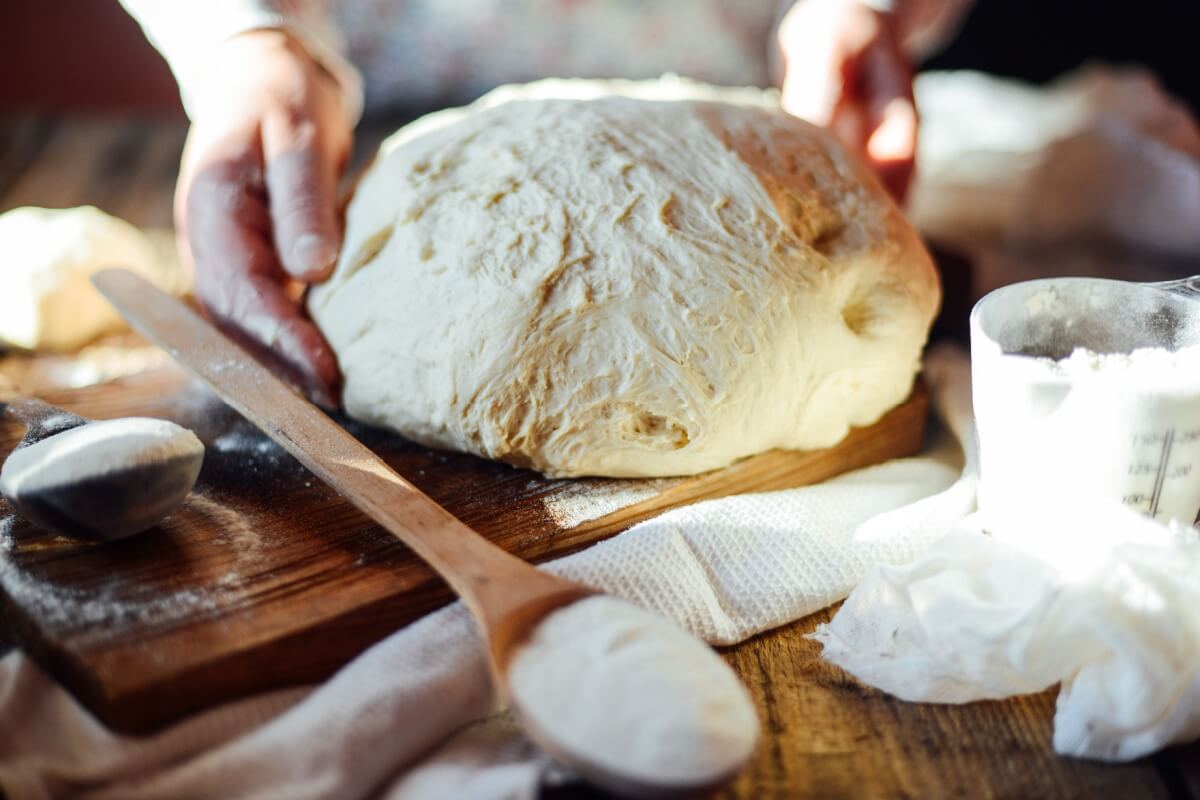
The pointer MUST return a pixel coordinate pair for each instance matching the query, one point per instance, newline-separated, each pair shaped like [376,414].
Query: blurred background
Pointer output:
[90,114]
[1021,182]
[85,55]
[88,55]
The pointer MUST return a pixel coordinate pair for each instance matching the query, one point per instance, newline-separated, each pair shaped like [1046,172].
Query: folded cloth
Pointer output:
[415,716]
[1098,598]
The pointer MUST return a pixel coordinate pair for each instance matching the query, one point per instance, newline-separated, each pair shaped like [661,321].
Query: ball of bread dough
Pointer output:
[47,256]
[624,279]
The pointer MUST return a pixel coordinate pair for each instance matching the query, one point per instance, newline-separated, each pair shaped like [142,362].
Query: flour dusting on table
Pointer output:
[589,500]
[96,607]
[7,543]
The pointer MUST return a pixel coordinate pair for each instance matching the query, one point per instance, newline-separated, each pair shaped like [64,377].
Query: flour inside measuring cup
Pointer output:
[1121,427]
[1148,366]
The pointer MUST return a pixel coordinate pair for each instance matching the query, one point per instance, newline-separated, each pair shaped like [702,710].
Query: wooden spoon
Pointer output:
[507,597]
[96,480]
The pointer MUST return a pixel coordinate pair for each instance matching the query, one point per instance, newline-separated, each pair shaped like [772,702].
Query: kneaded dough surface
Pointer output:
[623,279]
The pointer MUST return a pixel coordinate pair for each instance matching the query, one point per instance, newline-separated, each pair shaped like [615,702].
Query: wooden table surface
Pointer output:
[825,735]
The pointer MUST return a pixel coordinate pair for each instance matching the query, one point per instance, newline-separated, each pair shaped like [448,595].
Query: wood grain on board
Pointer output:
[229,594]
[827,735]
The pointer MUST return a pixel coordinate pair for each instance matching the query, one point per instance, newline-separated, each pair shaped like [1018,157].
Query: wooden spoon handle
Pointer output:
[8,390]
[493,582]
[40,419]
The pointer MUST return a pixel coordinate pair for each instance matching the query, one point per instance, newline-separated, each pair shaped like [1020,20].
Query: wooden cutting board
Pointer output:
[267,578]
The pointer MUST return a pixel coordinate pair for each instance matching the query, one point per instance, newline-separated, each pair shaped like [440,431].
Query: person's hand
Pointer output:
[844,69]
[256,203]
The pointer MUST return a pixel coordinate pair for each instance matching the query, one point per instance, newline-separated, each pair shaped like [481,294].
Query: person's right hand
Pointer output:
[256,204]
[844,69]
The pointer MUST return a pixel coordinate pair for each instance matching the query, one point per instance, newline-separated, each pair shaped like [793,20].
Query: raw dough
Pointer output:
[625,279]
[46,258]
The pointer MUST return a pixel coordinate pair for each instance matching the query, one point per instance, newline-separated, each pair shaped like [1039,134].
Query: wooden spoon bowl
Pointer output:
[97,480]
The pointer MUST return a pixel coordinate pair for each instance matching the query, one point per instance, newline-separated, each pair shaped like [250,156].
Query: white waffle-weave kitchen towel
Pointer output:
[414,716]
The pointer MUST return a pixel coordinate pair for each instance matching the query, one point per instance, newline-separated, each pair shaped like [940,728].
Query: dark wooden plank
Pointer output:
[1180,768]
[826,735]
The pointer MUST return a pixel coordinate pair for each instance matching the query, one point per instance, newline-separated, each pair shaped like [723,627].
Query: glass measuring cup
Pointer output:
[1049,436]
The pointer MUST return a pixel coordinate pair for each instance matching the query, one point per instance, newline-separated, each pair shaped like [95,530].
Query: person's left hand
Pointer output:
[257,200]
[844,69]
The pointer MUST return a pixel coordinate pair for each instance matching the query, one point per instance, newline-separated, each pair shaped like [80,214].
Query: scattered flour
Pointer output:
[586,500]
[249,442]
[96,609]
[7,542]
[113,605]
[243,540]
[1154,365]
[626,691]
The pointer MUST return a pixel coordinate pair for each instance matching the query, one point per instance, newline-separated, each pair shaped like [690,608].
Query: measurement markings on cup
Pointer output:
[1161,475]
[1161,468]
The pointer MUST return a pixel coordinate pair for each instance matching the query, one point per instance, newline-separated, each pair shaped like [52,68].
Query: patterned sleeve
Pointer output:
[187,31]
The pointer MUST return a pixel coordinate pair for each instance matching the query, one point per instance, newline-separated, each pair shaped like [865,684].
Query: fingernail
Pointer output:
[324,397]
[313,253]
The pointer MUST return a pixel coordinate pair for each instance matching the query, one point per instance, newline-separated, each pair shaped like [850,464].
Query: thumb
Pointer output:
[895,135]
[892,147]
[890,130]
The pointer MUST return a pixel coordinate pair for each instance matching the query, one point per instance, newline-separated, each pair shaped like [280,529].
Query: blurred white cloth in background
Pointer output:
[1102,154]
[724,570]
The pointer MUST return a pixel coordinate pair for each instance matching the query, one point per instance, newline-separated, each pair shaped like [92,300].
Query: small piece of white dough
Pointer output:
[46,259]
